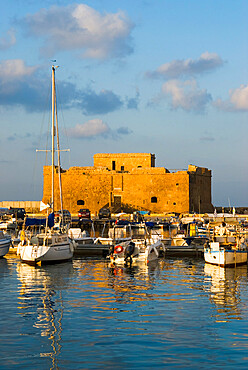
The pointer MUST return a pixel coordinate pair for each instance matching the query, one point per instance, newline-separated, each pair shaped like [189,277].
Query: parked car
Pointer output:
[18,213]
[104,213]
[4,211]
[84,213]
[66,216]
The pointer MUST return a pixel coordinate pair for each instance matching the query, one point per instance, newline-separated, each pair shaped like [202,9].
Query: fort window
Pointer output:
[154,200]
[113,165]
[177,184]
[80,202]
[153,160]
[122,168]
[139,166]
[174,203]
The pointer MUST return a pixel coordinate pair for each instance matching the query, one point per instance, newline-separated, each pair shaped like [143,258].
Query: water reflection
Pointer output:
[86,314]
[225,290]
[41,302]
[126,282]
[4,267]
[132,283]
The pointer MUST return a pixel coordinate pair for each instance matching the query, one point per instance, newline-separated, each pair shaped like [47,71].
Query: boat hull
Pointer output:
[187,251]
[59,249]
[4,246]
[139,255]
[225,258]
[89,248]
[55,253]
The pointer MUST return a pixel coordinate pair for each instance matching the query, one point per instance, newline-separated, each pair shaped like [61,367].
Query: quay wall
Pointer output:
[32,206]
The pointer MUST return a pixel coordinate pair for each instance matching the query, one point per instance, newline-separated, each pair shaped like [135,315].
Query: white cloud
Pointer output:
[186,95]
[96,127]
[14,69]
[8,41]
[80,27]
[189,67]
[238,100]
[89,129]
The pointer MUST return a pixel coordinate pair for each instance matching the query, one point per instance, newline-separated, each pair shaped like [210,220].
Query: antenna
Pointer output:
[229,205]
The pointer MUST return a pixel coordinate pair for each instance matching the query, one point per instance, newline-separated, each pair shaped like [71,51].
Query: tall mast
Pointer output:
[53,133]
[59,163]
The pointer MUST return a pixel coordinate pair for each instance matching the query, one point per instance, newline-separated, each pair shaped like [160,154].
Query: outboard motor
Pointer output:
[129,251]
[111,249]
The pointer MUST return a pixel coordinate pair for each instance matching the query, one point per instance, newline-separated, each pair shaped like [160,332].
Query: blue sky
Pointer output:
[155,76]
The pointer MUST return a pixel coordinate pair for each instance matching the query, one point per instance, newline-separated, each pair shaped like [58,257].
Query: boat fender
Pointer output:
[73,246]
[118,249]
[22,235]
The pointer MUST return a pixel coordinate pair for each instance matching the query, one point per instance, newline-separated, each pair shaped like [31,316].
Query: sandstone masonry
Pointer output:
[130,181]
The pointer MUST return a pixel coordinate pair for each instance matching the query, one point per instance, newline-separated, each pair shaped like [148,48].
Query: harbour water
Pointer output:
[83,314]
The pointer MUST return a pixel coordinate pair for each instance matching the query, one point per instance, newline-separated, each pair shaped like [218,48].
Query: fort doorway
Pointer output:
[117,204]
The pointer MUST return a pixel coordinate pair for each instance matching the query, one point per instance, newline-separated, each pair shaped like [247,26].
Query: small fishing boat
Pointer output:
[226,249]
[5,242]
[119,233]
[224,255]
[135,251]
[86,245]
[187,241]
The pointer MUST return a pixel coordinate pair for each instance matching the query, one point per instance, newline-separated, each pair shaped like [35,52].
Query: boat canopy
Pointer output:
[40,221]
[150,224]
[35,221]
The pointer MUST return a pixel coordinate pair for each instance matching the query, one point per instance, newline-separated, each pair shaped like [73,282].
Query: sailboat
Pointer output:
[53,245]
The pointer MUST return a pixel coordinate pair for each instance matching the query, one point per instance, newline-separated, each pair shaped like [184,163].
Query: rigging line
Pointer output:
[58,155]
[63,120]
[35,181]
[58,102]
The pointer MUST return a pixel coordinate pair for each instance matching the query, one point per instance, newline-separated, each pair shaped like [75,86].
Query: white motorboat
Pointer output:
[53,245]
[224,255]
[84,244]
[116,235]
[5,242]
[135,251]
[226,249]
[8,223]
[192,236]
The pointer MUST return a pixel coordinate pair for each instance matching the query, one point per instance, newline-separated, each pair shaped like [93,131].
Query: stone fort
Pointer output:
[126,182]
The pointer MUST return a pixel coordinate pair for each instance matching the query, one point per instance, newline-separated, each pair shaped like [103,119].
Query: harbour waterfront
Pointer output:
[83,314]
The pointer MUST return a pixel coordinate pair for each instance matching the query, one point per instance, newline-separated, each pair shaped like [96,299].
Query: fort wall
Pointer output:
[124,161]
[139,185]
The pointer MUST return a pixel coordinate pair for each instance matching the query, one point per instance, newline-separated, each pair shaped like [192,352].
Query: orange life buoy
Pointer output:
[118,249]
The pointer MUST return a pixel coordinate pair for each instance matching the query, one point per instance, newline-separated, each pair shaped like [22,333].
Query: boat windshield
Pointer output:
[40,240]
